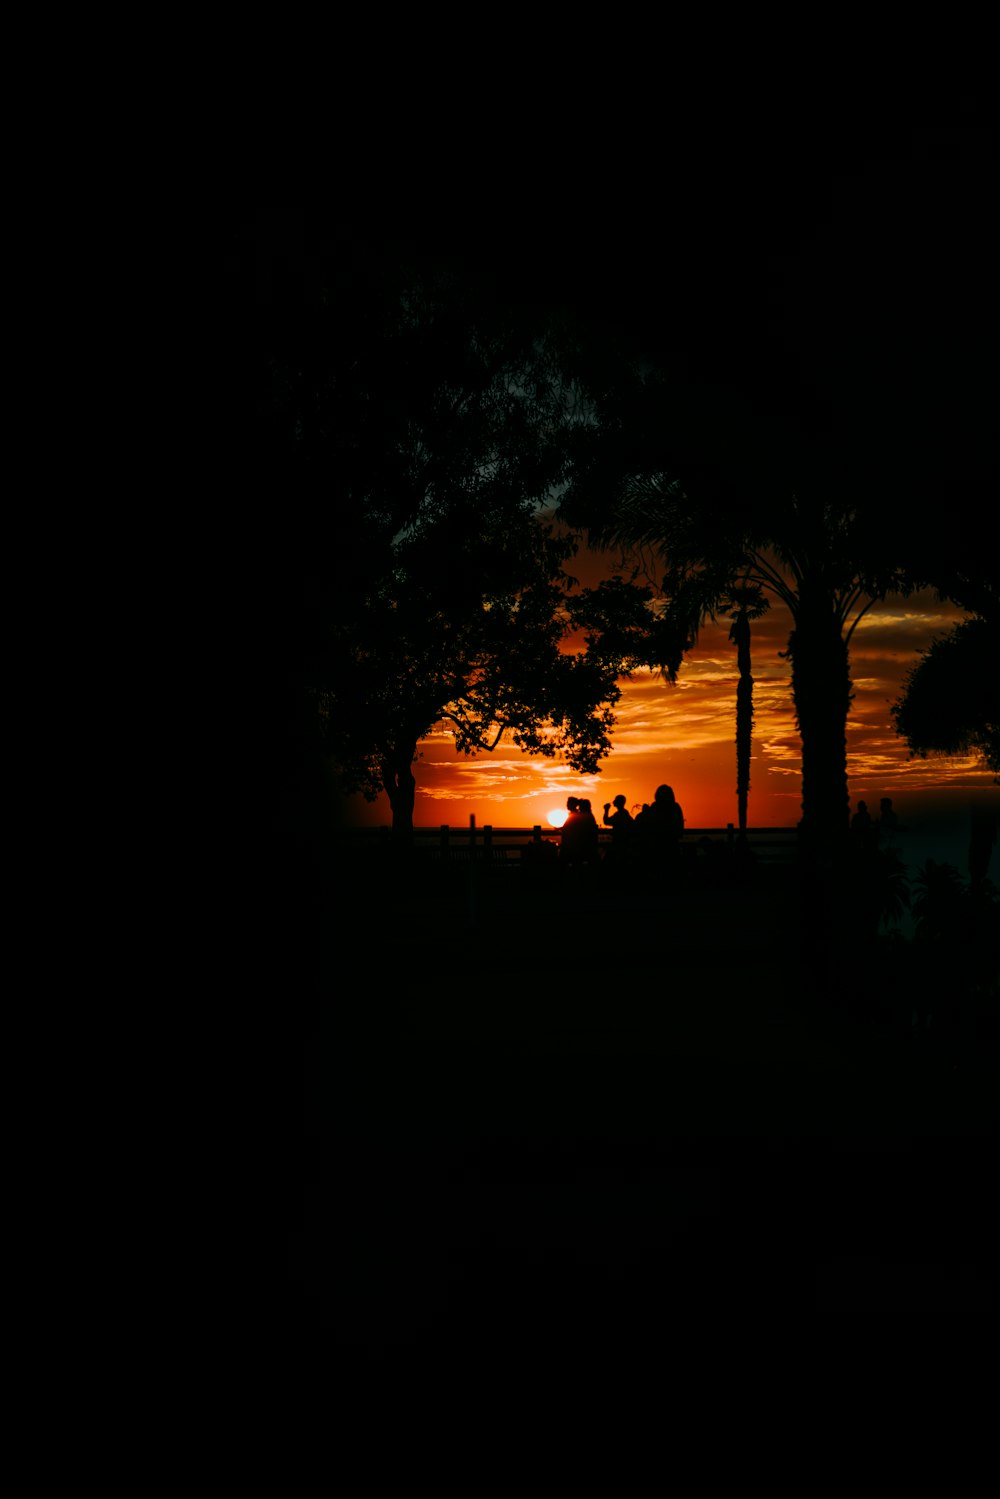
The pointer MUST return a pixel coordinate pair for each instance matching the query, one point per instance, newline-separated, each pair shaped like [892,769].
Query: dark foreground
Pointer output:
[563,1107]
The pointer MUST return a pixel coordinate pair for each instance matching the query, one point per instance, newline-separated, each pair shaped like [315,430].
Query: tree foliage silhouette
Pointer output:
[429,420]
[482,646]
[691,475]
[951,703]
[745,603]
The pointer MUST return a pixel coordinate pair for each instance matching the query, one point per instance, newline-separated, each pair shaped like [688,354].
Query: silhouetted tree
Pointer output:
[483,645]
[690,476]
[799,491]
[820,414]
[951,701]
[745,603]
[427,420]
[685,610]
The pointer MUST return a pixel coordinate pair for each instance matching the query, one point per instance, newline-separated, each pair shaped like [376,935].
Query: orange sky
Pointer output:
[684,735]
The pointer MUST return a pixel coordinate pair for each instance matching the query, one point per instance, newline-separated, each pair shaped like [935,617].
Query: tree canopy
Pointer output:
[950,704]
[724,495]
[483,646]
[429,422]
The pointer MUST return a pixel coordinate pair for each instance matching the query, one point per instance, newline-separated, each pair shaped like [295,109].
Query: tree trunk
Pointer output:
[740,633]
[401,789]
[821,687]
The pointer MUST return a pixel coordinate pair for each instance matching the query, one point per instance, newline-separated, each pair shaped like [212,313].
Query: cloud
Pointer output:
[684,733]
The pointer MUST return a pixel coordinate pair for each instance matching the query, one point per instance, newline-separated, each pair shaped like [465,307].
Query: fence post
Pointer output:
[444,837]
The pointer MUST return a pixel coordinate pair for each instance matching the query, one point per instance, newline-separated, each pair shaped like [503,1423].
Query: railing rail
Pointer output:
[495,844]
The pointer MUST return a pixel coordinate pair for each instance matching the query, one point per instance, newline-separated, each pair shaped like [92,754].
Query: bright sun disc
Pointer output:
[558,817]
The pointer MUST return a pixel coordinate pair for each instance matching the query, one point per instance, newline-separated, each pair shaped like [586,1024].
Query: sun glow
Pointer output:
[683,735]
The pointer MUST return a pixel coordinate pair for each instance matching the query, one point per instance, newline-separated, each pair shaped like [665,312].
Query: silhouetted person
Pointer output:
[572,841]
[861,826]
[660,828]
[888,822]
[589,833]
[620,822]
[666,819]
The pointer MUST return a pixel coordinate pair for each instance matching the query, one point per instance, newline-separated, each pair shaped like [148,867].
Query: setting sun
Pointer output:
[558,817]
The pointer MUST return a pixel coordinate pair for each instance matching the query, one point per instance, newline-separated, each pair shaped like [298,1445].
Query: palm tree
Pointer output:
[746,602]
[690,602]
[693,480]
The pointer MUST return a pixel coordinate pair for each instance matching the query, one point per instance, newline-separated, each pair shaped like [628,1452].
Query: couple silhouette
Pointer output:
[579,843]
[660,824]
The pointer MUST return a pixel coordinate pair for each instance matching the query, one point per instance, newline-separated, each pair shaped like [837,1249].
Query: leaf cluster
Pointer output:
[950,703]
[719,494]
[432,426]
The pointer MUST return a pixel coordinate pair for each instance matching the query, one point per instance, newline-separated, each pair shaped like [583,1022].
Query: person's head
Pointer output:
[886,804]
[862,806]
[619,801]
[664,794]
[583,804]
[571,804]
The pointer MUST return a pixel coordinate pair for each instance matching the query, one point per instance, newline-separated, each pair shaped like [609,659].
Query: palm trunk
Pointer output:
[740,633]
[821,687]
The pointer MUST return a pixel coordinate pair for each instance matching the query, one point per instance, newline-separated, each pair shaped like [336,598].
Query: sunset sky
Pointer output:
[684,735]
[855,283]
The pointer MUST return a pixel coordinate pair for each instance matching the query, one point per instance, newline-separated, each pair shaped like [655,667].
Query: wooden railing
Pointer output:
[504,846]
